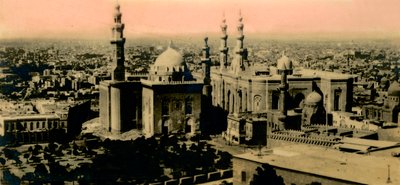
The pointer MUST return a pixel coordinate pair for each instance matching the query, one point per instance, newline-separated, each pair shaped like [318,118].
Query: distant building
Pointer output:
[30,128]
[390,110]
[351,120]
[53,121]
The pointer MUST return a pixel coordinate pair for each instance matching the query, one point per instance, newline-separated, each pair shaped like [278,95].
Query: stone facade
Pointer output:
[171,107]
[239,87]
[389,111]
[120,105]
[244,170]
[167,100]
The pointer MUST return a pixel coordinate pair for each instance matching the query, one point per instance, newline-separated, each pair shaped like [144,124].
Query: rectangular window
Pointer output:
[336,100]
[165,108]
[243,176]
[188,107]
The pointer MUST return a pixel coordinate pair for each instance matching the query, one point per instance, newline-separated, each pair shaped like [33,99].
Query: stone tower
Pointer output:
[238,63]
[206,63]
[118,71]
[223,48]
[284,67]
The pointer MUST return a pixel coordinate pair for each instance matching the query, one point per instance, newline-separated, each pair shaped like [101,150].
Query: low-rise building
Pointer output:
[351,120]
[304,164]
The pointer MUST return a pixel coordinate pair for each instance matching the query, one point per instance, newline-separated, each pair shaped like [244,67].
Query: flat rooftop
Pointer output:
[28,116]
[331,163]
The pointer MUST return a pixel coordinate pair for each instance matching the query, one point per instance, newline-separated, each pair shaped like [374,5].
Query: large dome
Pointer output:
[169,58]
[313,98]
[394,89]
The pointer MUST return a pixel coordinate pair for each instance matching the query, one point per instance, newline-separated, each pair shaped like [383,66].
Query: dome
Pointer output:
[284,63]
[313,98]
[169,58]
[394,89]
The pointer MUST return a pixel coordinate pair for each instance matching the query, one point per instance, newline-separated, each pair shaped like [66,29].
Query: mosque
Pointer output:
[172,99]
[389,111]
[167,101]
[285,97]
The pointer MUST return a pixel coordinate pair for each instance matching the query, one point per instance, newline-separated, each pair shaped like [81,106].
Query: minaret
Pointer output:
[241,53]
[283,88]
[118,72]
[223,48]
[284,69]
[206,62]
[207,88]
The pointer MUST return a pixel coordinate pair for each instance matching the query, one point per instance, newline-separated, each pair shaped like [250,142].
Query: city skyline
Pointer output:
[89,19]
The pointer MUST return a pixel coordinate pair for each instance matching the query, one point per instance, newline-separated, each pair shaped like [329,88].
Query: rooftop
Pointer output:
[29,116]
[331,163]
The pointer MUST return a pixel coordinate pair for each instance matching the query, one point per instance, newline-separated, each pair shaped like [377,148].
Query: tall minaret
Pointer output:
[283,87]
[241,53]
[223,48]
[118,72]
[206,62]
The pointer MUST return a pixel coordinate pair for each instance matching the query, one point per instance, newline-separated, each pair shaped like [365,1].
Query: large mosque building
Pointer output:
[167,101]
[172,100]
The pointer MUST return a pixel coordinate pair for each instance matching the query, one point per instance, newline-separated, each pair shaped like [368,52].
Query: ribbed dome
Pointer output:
[169,58]
[284,63]
[394,89]
[313,98]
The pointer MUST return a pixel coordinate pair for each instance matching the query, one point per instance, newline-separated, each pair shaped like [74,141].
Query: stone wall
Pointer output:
[200,178]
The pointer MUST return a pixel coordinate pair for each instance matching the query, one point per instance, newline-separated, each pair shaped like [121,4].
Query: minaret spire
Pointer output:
[118,72]
[206,62]
[240,51]
[223,47]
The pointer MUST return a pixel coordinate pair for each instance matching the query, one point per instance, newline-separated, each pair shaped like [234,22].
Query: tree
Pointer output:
[41,172]
[12,155]
[2,161]
[266,175]
[30,176]
[26,156]
[10,178]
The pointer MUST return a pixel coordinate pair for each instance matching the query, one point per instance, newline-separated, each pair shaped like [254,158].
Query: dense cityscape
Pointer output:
[218,109]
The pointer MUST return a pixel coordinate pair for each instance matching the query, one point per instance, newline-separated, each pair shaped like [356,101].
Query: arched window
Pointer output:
[240,100]
[257,103]
[165,107]
[275,99]
[188,105]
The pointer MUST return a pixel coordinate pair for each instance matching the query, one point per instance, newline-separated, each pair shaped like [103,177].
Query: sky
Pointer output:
[94,18]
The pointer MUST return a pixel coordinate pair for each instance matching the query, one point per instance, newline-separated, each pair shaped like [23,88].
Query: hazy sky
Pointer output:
[93,18]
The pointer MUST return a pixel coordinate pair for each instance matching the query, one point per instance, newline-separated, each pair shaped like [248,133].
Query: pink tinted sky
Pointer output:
[93,18]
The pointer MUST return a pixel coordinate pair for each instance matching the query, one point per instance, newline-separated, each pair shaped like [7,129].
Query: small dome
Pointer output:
[394,89]
[169,58]
[284,63]
[313,98]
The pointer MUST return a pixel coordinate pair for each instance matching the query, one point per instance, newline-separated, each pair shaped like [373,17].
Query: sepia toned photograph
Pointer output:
[208,92]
